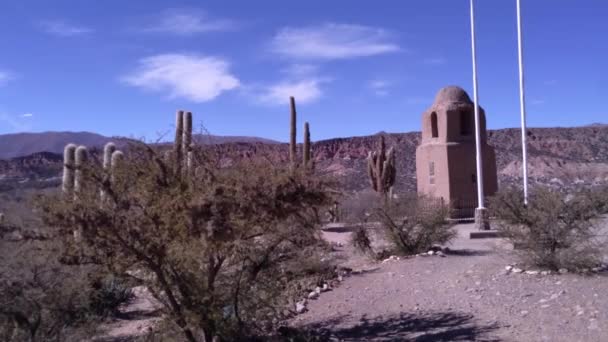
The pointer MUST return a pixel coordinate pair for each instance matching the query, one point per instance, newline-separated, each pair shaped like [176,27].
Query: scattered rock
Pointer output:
[563,270]
[596,269]
[431,253]
[440,254]
[532,272]
[301,307]
[517,270]
[509,268]
[524,312]
[313,295]
[340,279]
[545,273]
[325,288]
[318,290]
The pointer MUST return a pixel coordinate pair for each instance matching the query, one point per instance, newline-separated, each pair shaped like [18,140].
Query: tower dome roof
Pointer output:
[452,94]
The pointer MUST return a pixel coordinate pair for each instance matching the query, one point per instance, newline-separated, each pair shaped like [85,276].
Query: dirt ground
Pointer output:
[466,296]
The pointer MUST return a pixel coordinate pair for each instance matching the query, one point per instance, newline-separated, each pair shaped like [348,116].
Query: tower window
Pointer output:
[465,123]
[431,172]
[434,130]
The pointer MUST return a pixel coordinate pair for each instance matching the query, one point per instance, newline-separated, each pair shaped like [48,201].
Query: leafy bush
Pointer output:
[553,231]
[220,247]
[414,224]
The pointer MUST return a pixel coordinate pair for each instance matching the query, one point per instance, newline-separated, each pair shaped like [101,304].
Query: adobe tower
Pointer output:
[445,159]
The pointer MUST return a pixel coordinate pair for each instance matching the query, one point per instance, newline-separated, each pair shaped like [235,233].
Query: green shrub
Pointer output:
[414,224]
[553,231]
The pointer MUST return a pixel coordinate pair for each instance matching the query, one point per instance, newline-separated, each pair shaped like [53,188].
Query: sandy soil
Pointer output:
[466,296]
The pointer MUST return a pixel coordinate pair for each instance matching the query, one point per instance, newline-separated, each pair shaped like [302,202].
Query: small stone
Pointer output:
[430,253]
[563,270]
[532,272]
[313,295]
[325,288]
[524,312]
[517,270]
[440,254]
[340,279]
[596,269]
[318,290]
[301,307]
[509,268]
[545,273]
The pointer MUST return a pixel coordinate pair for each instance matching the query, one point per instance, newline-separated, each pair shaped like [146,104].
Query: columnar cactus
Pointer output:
[292,132]
[116,160]
[182,146]
[306,153]
[178,142]
[68,168]
[381,168]
[79,164]
[108,150]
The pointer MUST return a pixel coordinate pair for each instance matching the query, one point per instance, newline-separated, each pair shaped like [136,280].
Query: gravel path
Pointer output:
[465,296]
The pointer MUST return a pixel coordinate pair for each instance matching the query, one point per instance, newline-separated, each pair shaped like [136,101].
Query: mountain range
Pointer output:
[559,157]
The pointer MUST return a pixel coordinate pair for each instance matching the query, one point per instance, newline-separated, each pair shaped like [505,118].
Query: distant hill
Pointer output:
[25,144]
[558,157]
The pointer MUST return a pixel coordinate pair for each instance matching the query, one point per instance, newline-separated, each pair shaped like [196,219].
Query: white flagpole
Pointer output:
[522,104]
[480,197]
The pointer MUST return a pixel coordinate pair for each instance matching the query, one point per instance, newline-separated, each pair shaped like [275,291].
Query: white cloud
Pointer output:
[64,29]
[5,76]
[182,22]
[435,61]
[537,102]
[304,91]
[27,115]
[301,70]
[195,78]
[332,41]
[379,87]
[14,124]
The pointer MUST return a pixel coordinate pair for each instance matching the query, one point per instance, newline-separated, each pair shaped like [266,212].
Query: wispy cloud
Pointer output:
[435,61]
[192,77]
[379,87]
[5,76]
[64,29]
[537,102]
[301,70]
[13,123]
[304,90]
[27,115]
[332,41]
[189,22]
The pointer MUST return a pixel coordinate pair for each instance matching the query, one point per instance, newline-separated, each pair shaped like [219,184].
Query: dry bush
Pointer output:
[221,248]
[42,299]
[413,224]
[359,208]
[361,241]
[553,231]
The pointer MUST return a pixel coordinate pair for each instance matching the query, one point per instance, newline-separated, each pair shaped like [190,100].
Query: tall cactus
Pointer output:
[182,146]
[68,168]
[108,150]
[306,153]
[116,159]
[381,168]
[292,132]
[178,142]
[187,142]
[81,158]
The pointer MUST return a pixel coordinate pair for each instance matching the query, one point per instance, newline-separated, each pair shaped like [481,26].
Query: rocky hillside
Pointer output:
[557,156]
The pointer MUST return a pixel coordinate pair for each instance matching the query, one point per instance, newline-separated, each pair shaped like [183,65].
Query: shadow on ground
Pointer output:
[419,327]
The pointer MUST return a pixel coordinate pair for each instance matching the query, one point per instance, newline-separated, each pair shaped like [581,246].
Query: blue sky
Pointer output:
[355,67]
